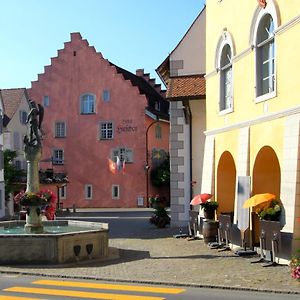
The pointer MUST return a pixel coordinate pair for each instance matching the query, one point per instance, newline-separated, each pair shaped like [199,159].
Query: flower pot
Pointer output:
[209,213]
[210,231]
[33,220]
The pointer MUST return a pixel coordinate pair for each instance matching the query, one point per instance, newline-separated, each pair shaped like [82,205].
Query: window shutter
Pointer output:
[129,155]
[115,153]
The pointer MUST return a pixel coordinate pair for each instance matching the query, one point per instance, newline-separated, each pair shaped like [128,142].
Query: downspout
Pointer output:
[188,120]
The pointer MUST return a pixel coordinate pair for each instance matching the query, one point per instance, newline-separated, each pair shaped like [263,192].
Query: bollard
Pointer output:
[74,208]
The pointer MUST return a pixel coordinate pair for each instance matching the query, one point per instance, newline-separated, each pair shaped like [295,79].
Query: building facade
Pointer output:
[2,185]
[253,111]
[183,74]
[15,110]
[96,126]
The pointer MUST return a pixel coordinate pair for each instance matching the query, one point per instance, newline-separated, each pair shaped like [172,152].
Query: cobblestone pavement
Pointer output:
[158,257]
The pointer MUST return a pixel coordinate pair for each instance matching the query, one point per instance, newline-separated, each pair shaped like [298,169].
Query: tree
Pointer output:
[160,175]
[11,174]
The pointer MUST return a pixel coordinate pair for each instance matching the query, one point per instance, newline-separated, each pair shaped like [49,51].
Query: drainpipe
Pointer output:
[188,120]
[147,167]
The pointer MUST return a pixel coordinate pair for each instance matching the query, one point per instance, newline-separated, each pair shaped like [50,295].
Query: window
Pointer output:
[17,141]
[87,104]
[88,191]
[123,154]
[158,132]
[226,78]
[115,191]
[23,117]
[60,129]
[46,101]
[157,105]
[265,57]
[106,95]
[58,157]
[106,131]
[63,192]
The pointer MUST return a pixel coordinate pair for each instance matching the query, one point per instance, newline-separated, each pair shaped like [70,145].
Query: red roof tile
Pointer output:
[11,100]
[190,86]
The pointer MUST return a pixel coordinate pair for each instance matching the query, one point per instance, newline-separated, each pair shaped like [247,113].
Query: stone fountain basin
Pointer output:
[62,242]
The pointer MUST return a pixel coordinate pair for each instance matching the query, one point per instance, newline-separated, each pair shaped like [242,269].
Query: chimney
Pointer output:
[139,72]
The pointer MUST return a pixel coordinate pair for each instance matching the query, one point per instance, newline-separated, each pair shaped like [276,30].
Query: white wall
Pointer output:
[191,49]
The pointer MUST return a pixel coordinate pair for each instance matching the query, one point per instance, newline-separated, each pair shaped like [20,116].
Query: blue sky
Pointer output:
[130,33]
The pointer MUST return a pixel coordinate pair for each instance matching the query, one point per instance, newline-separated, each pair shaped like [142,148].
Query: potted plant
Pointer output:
[160,218]
[295,266]
[270,211]
[209,207]
[157,200]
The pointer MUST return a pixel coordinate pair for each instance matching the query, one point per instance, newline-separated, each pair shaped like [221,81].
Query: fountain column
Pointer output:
[33,153]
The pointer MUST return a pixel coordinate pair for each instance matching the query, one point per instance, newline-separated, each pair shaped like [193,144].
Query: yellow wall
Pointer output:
[236,17]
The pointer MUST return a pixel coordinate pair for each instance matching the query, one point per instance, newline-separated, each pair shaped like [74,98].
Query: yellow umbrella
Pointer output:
[258,199]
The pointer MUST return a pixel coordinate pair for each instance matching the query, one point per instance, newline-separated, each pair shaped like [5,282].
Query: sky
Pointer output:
[133,34]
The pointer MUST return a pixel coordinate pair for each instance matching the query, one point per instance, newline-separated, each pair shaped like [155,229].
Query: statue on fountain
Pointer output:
[33,153]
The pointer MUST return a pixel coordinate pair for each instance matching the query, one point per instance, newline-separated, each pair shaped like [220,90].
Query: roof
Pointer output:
[145,88]
[11,100]
[189,87]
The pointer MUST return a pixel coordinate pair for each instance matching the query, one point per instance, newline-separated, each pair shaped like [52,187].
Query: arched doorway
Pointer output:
[226,183]
[266,178]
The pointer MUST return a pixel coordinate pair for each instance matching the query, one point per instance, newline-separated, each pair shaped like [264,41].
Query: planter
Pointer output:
[33,220]
[209,213]
[210,231]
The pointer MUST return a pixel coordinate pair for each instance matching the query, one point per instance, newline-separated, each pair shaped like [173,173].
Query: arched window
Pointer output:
[264,24]
[226,78]
[265,56]
[87,104]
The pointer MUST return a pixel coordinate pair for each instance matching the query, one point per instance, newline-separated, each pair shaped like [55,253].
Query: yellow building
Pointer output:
[253,108]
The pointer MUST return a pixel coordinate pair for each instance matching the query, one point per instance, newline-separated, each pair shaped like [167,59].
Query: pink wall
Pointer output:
[78,69]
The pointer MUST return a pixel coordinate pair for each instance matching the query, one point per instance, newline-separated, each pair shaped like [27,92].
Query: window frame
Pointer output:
[92,101]
[63,192]
[225,41]
[46,101]
[106,130]
[113,187]
[106,95]
[124,154]
[272,10]
[58,160]
[88,192]
[23,117]
[226,86]
[63,129]
[260,62]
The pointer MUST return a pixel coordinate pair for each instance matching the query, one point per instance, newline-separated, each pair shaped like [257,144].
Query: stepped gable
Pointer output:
[11,100]
[147,87]
[151,81]
[76,39]
[143,85]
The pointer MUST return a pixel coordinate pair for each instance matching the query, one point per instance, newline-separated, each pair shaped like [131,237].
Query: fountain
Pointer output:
[46,242]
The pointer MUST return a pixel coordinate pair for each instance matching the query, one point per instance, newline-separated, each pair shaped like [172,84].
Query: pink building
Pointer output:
[95,112]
